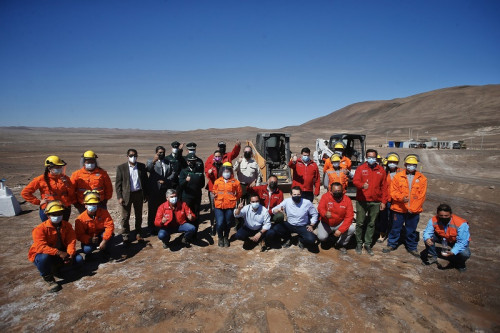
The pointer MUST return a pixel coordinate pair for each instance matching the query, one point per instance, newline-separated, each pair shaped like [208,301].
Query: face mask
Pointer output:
[411,168]
[226,174]
[445,221]
[161,156]
[91,208]
[337,195]
[217,159]
[90,166]
[339,153]
[305,158]
[336,164]
[273,185]
[255,205]
[174,150]
[296,199]
[132,159]
[392,166]
[191,151]
[247,154]
[173,200]
[56,172]
[56,219]
[371,160]
[222,150]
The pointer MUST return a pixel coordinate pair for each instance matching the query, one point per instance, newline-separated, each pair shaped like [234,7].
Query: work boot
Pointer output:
[359,248]
[368,250]
[300,245]
[343,250]
[221,242]
[430,260]
[226,242]
[388,249]
[185,242]
[264,248]
[52,285]
[414,253]
[165,245]
[125,239]
[287,244]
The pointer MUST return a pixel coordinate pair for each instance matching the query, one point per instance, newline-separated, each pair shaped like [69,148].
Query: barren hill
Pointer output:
[464,113]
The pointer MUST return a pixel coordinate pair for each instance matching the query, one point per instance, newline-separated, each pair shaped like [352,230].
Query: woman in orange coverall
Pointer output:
[53,185]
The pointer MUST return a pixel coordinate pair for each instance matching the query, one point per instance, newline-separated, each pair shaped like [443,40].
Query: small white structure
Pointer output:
[8,202]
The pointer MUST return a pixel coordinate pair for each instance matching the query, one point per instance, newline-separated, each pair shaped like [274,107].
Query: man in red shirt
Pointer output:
[371,181]
[336,216]
[305,174]
[270,196]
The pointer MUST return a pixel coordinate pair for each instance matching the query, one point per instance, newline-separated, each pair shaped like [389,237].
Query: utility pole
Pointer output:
[482,139]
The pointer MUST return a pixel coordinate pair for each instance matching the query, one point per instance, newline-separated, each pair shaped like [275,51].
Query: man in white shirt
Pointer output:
[257,221]
[302,217]
[247,171]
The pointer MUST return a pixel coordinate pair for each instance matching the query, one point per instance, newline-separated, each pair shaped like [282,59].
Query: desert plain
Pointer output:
[210,289]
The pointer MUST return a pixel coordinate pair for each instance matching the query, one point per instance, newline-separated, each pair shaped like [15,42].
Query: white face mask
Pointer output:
[91,208]
[255,205]
[192,151]
[56,219]
[132,159]
[90,166]
[336,164]
[56,171]
[226,174]
[392,166]
[411,167]
[172,200]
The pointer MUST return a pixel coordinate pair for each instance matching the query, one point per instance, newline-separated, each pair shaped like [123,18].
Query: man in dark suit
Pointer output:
[131,189]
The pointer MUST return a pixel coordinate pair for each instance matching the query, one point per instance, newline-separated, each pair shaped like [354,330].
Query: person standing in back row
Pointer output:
[371,197]
[131,190]
[305,174]
[408,191]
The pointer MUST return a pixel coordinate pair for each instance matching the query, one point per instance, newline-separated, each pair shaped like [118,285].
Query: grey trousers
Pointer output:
[324,230]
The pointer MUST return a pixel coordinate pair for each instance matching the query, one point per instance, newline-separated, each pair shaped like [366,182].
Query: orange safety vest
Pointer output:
[97,179]
[340,178]
[226,193]
[451,233]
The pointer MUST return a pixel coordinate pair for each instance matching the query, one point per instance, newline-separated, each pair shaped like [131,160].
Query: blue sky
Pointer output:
[183,65]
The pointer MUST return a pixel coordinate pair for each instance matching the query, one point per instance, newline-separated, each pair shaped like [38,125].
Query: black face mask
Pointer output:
[161,156]
[247,154]
[273,185]
[222,151]
[337,195]
[296,199]
[445,221]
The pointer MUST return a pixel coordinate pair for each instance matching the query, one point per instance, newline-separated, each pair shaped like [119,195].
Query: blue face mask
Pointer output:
[411,167]
[305,158]
[371,160]
[56,219]
[392,166]
[91,208]
[255,205]
[336,164]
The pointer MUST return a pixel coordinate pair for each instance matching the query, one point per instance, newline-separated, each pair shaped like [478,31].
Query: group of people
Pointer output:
[388,197]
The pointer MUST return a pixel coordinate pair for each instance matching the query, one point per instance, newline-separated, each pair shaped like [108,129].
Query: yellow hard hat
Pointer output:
[54,160]
[53,207]
[335,158]
[89,154]
[91,197]
[227,164]
[384,161]
[379,157]
[411,159]
[339,145]
[393,157]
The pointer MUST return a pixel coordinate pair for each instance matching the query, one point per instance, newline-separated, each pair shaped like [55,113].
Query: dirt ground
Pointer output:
[210,289]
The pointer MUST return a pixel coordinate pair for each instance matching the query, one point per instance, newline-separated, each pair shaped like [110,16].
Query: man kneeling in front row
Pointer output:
[451,231]
[257,221]
[336,216]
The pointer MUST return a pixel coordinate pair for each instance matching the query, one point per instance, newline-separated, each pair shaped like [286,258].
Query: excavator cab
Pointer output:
[272,153]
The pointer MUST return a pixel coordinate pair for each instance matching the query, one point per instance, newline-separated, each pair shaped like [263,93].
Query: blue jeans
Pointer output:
[410,222]
[458,260]
[187,228]
[46,263]
[285,229]
[224,218]
[384,221]
[88,248]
